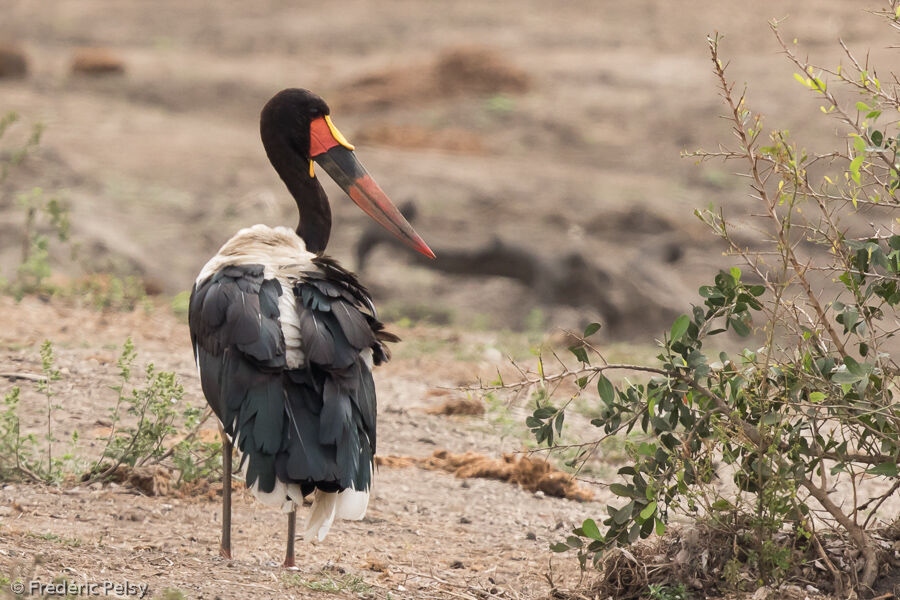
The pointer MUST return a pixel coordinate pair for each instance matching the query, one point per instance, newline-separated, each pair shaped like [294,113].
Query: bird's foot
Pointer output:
[289,564]
[225,553]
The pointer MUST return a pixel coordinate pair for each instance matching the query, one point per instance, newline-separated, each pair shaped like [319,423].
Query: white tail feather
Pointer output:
[321,516]
[327,506]
[351,505]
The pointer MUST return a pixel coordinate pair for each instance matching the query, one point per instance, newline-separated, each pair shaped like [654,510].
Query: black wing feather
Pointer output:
[314,425]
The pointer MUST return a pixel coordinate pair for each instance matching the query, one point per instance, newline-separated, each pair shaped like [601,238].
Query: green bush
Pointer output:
[811,405]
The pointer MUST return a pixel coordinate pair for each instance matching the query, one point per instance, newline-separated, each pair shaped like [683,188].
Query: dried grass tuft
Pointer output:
[533,474]
[458,406]
[96,61]
[151,481]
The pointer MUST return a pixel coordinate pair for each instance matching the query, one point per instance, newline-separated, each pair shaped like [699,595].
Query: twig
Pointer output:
[25,376]
[857,533]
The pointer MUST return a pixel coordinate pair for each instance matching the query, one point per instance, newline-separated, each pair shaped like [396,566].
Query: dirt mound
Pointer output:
[96,61]
[13,62]
[455,72]
[478,70]
[533,474]
[413,137]
[152,481]
[458,406]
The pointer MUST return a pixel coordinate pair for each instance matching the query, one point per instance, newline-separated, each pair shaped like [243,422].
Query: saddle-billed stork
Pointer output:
[285,339]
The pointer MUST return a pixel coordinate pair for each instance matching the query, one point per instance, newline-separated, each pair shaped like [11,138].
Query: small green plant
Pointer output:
[22,455]
[154,405]
[107,292]
[17,452]
[173,594]
[45,386]
[194,458]
[17,154]
[144,420]
[73,542]
[43,214]
[330,583]
[668,592]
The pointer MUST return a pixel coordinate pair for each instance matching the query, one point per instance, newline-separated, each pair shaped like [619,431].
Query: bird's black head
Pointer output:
[296,130]
[287,117]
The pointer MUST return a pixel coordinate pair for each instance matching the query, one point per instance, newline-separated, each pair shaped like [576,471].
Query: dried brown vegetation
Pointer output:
[96,61]
[532,474]
[458,406]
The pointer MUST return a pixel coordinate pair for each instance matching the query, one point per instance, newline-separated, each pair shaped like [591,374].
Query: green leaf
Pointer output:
[842,375]
[679,327]
[648,510]
[590,529]
[591,329]
[888,469]
[877,137]
[606,390]
[853,366]
[580,353]
[544,412]
[816,397]
[863,107]
[623,514]
[559,547]
[855,164]
[739,326]
[621,490]
[660,527]
[722,504]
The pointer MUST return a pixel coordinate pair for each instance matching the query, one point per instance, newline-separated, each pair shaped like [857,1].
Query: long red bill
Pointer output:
[339,161]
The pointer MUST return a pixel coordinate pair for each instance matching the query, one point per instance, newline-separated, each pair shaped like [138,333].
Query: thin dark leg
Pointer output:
[292,527]
[225,548]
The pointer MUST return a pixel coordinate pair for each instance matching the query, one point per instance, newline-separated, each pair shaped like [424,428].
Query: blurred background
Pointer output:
[535,145]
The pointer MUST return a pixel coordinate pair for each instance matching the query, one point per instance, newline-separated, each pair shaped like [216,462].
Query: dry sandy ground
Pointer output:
[427,534]
[161,164]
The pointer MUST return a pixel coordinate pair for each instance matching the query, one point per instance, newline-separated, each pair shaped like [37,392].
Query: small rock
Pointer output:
[13,63]
[465,520]
[457,564]
[530,536]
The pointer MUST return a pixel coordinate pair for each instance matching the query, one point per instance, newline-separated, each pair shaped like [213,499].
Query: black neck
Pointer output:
[314,227]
